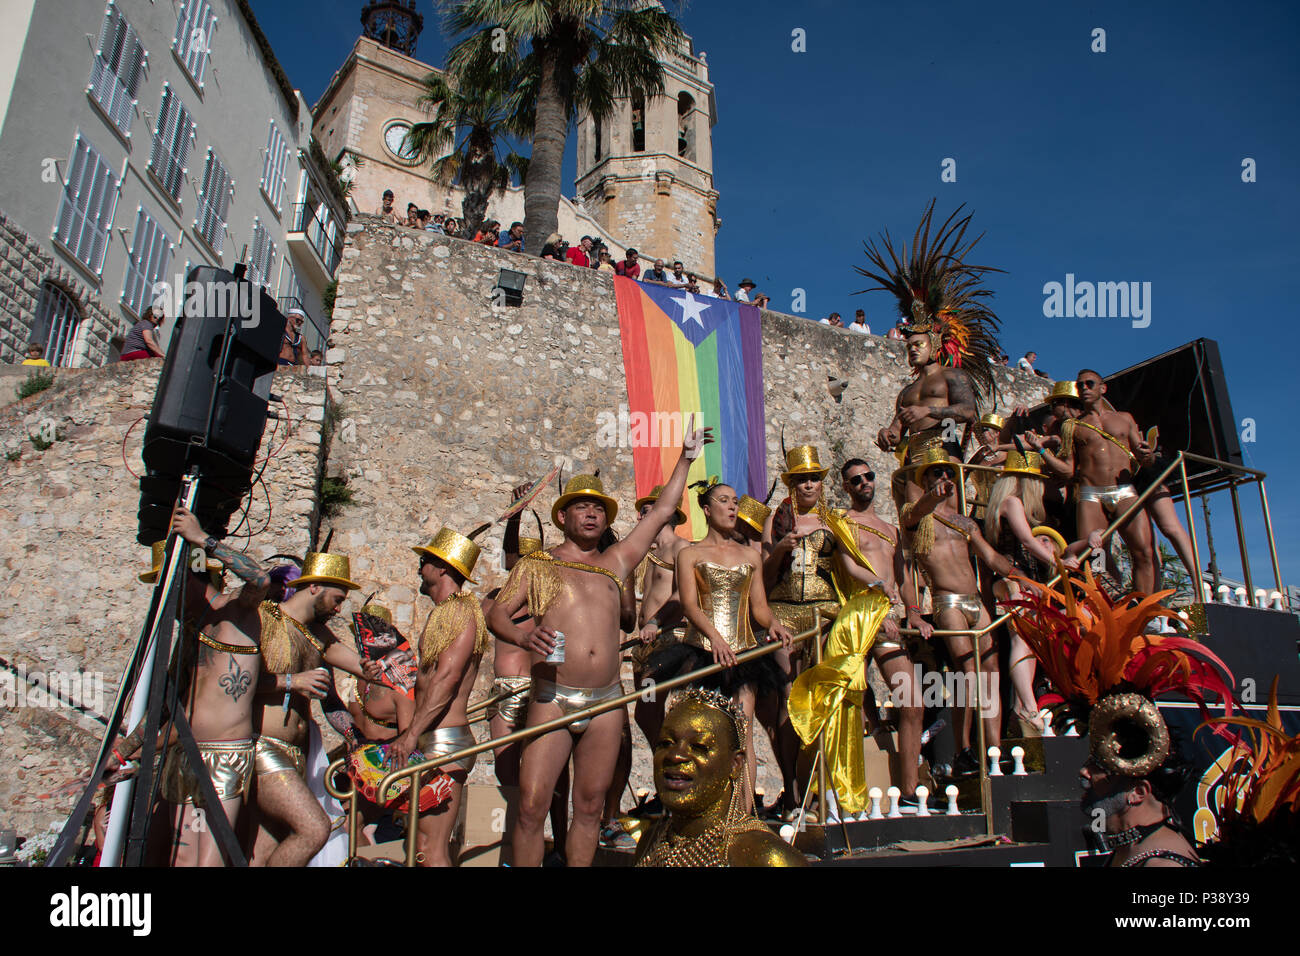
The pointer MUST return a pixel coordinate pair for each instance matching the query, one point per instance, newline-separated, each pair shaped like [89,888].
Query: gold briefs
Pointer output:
[571,699]
[229,763]
[511,709]
[447,740]
[1108,496]
[969,605]
[277,756]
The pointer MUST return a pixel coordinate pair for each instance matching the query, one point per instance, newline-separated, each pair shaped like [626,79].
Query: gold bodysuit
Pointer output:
[806,585]
[724,598]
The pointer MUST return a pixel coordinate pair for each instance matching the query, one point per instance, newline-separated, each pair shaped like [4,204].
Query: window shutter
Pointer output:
[164,134]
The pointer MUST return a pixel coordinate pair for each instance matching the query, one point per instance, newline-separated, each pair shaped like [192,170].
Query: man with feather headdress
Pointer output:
[949,332]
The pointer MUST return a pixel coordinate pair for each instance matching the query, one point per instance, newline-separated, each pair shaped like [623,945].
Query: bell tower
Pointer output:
[646,173]
[395,24]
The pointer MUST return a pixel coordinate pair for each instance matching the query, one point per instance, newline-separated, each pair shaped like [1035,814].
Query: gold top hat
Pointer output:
[455,549]
[802,460]
[931,458]
[160,552]
[1064,390]
[753,512]
[655,492]
[583,486]
[331,570]
[1030,463]
[529,545]
[992,420]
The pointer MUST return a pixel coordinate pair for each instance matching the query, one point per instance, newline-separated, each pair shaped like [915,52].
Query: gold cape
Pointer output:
[828,696]
[448,621]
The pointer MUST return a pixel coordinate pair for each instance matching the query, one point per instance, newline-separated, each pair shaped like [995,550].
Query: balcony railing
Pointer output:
[325,235]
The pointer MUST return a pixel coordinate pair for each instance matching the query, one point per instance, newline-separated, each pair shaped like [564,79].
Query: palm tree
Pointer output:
[578,55]
[473,112]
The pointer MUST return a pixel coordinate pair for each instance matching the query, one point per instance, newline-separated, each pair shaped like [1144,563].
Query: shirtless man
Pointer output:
[932,408]
[660,621]
[943,542]
[576,590]
[295,639]
[1102,449]
[454,640]
[879,542]
[219,661]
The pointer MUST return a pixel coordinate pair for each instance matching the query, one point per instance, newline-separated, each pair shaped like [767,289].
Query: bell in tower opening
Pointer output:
[394,23]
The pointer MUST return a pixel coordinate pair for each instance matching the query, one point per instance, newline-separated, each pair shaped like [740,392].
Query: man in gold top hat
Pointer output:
[296,646]
[989,451]
[218,670]
[943,542]
[576,590]
[453,641]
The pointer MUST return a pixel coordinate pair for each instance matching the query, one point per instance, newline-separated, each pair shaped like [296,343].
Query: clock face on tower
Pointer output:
[395,140]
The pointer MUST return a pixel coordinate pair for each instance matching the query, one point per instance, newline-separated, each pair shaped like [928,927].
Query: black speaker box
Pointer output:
[196,389]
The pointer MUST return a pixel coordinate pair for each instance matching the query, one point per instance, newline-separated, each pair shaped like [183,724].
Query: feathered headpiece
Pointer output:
[1259,821]
[939,294]
[1107,671]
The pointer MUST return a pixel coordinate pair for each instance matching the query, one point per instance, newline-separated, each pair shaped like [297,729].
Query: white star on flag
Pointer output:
[692,308]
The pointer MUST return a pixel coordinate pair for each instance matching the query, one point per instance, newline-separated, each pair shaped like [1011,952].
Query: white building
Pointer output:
[141,138]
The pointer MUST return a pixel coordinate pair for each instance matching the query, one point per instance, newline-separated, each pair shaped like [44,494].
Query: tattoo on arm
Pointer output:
[961,398]
[242,565]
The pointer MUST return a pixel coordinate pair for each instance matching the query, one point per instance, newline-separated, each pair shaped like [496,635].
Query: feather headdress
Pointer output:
[1107,672]
[1259,820]
[940,294]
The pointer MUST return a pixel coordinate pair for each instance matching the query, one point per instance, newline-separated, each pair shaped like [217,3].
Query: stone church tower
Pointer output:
[646,174]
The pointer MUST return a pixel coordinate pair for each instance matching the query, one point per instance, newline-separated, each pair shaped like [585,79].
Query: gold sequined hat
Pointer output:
[160,552]
[753,512]
[802,460]
[651,498]
[529,545]
[933,457]
[993,420]
[379,611]
[455,549]
[1064,390]
[583,486]
[1030,463]
[331,570]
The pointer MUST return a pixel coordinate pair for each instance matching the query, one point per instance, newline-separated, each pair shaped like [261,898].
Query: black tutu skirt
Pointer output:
[680,658]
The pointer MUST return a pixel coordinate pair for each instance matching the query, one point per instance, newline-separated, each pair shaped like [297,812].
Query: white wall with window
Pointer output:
[274,168]
[151,257]
[193,43]
[119,64]
[214,203]
[85,215]
[172,139]
[261,260]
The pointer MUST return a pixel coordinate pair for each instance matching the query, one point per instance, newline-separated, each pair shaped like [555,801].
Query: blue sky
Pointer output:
[1117,166]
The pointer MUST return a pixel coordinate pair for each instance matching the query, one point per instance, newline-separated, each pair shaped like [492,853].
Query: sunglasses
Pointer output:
[863,478]
[1088,383]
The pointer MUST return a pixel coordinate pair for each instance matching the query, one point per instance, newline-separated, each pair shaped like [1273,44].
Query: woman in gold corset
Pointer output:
[721,586]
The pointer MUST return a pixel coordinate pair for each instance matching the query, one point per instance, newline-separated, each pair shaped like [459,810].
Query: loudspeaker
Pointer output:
[205,413]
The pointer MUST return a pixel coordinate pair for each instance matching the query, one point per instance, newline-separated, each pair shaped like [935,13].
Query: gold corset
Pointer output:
[808,576]
[724,598]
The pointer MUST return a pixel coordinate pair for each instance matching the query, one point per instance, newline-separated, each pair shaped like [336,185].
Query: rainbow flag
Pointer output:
[686,353]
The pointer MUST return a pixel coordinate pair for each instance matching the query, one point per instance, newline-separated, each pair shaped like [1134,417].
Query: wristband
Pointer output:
[120,759]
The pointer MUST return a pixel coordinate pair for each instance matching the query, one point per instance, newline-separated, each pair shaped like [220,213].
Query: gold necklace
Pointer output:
[302,629]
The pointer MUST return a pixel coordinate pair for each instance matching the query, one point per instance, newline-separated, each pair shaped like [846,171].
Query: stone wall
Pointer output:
[24,266]
[70,603]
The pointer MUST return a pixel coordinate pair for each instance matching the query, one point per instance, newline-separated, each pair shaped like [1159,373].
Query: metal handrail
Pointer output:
[415,770]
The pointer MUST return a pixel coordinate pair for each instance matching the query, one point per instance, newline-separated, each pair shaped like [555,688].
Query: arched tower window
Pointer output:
[638,122]
[57,322]
[598,131]
[685,126]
